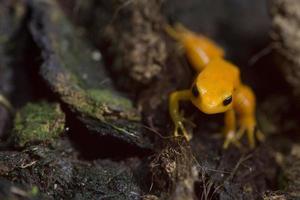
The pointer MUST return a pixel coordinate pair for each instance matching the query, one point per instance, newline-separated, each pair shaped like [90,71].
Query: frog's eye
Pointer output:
[195,91]
[227,101]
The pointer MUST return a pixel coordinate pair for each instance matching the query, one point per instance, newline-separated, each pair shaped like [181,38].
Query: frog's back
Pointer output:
[220,71]
[200,50]
[194,43]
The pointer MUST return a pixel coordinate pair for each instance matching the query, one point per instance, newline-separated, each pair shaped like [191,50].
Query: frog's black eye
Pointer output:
[195,91]
[227,101]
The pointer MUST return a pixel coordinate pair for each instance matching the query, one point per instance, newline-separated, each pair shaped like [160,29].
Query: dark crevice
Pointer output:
[92,145]
[28,84]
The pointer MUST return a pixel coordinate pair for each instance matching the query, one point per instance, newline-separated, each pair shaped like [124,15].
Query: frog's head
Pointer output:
[212,96]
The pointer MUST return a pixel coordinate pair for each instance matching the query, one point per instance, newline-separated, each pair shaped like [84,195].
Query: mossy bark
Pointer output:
[38,122]
[77,79]
[286,18]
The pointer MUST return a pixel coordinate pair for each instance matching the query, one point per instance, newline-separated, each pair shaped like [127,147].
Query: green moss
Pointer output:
[38,122]
[107,97]
[34,191]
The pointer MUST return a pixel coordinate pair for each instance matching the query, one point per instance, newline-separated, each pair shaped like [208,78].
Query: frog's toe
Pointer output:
[231,138]
[252,133]
[176,132]
[179,127]
[185,133]
[187,136]
[259,135]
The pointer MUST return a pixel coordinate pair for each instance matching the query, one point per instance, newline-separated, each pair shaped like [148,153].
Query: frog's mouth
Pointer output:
[211,108]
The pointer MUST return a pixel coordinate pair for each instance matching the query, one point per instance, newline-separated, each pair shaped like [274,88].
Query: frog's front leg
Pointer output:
[230,129]
[244,105]
[177,118]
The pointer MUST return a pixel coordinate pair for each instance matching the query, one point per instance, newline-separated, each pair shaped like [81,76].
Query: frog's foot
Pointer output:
[230,137]
[179,128]
[252,133]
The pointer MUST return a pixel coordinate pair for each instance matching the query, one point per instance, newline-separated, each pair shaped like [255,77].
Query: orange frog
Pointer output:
[217,88]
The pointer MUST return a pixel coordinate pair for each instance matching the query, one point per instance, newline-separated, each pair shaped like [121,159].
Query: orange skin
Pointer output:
[216,89]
